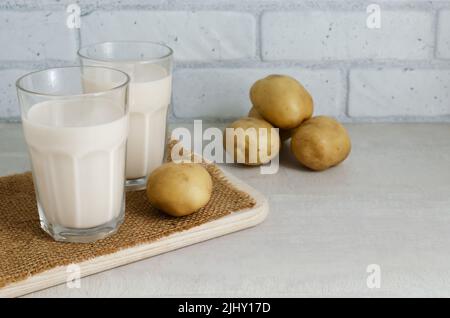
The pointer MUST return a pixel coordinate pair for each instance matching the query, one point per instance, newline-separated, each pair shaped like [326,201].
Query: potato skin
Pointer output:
[179,189]
[282,101]
[285,134]
[253,112]
[320,143]
[270,146]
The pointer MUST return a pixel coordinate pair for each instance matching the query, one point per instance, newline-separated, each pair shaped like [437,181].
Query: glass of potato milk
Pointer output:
[149,66]
[75,122]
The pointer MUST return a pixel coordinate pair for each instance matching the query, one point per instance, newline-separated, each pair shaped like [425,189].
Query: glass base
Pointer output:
[75,235]
[136,184]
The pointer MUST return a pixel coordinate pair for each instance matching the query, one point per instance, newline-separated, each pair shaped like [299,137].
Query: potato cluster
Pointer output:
[280,101]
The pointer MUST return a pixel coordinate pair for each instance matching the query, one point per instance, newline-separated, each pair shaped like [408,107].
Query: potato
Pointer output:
[285,134]
[282,101]
[253,112]
[246,146]
[320,143]
[179,189]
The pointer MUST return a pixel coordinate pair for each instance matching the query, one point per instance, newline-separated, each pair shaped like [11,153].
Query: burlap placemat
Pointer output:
[27,250]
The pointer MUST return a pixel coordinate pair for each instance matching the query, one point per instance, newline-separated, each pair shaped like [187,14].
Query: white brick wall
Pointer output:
[443,45]
[36,35]
[399,92]
[222,47]
[194,36]
[331,35]
[8,96]
[224,93]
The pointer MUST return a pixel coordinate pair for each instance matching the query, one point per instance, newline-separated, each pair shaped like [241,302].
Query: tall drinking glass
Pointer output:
[149,66]
[75,122]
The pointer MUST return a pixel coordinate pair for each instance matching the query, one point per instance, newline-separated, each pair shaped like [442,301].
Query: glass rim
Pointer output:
[125,61]
[100,92]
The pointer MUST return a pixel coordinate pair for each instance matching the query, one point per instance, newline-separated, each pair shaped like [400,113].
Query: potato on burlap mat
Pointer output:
[27,250]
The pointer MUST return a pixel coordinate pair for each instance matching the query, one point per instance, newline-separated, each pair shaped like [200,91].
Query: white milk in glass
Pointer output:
[148,109]
[149,98]
[77,149]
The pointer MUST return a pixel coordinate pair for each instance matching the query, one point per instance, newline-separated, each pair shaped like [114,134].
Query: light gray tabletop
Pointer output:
[388,205]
